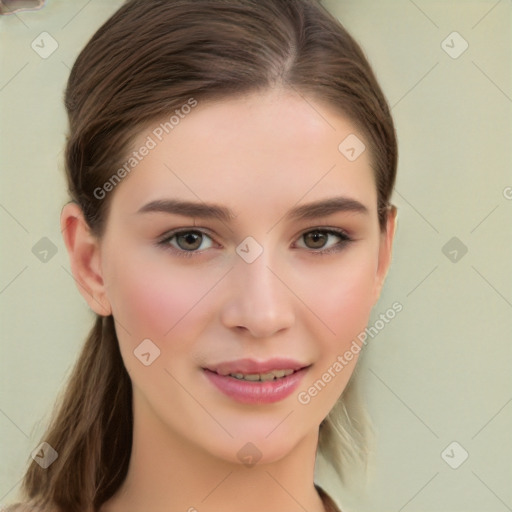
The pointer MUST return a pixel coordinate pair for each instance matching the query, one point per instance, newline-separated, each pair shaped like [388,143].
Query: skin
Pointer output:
[259,155]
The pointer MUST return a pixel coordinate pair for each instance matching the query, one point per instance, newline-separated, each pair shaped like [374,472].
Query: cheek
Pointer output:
[343,299]
[152,299]
[343,303]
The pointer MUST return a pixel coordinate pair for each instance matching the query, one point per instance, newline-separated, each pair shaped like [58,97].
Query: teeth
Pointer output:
[263,377]
[254,376]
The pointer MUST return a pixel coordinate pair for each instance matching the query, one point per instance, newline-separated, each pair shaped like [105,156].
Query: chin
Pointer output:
[263,443]
[249,453]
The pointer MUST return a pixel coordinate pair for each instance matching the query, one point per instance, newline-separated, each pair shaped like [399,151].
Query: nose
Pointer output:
[260,301]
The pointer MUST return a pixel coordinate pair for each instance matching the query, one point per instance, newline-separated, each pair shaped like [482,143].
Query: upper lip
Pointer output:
[252,366]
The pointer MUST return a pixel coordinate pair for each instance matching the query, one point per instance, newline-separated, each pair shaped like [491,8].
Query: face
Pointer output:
[255,288]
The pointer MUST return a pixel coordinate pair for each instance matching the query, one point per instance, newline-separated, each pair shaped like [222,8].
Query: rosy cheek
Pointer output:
[345,304]
[153,301]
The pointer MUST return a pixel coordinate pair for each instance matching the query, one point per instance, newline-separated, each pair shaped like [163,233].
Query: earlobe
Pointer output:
[385,251]
[85,258]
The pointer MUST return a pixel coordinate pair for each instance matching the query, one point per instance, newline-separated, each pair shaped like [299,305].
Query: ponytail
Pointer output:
[346,433]
[91,431]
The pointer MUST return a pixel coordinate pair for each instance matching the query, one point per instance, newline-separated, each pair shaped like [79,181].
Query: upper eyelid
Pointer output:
[173,232]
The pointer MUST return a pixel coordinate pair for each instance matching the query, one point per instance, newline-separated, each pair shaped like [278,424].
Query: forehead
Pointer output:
[257,151]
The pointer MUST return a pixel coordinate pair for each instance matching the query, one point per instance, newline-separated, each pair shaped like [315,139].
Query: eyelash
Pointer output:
[345,239]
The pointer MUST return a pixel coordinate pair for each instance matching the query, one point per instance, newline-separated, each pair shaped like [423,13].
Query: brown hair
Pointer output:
[149,59]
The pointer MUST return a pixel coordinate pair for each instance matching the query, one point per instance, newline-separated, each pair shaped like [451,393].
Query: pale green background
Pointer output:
[439,372]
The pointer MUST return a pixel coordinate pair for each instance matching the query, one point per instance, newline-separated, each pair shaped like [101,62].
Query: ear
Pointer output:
[385,251]
[84,254]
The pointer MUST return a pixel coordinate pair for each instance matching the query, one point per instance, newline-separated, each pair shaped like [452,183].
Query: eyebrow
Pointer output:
[321,208]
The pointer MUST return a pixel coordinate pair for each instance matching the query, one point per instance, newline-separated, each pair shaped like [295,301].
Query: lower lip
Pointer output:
[248,392]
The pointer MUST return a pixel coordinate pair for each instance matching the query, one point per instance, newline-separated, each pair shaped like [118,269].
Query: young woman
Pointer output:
[230,165]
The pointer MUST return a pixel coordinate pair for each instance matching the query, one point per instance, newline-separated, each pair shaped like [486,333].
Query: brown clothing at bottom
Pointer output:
[327,501]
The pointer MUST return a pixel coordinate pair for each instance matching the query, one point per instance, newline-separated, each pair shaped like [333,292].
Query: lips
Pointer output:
[251,366]
[256,382]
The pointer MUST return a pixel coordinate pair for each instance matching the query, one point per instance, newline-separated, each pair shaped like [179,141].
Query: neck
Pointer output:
[167,472]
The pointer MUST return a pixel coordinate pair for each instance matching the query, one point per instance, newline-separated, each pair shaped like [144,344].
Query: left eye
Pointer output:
[319,237]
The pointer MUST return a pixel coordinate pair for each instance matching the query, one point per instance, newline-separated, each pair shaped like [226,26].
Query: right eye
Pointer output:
[184,242]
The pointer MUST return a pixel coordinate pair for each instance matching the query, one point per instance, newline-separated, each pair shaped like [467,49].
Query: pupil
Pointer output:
[317,237]
[190,238]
